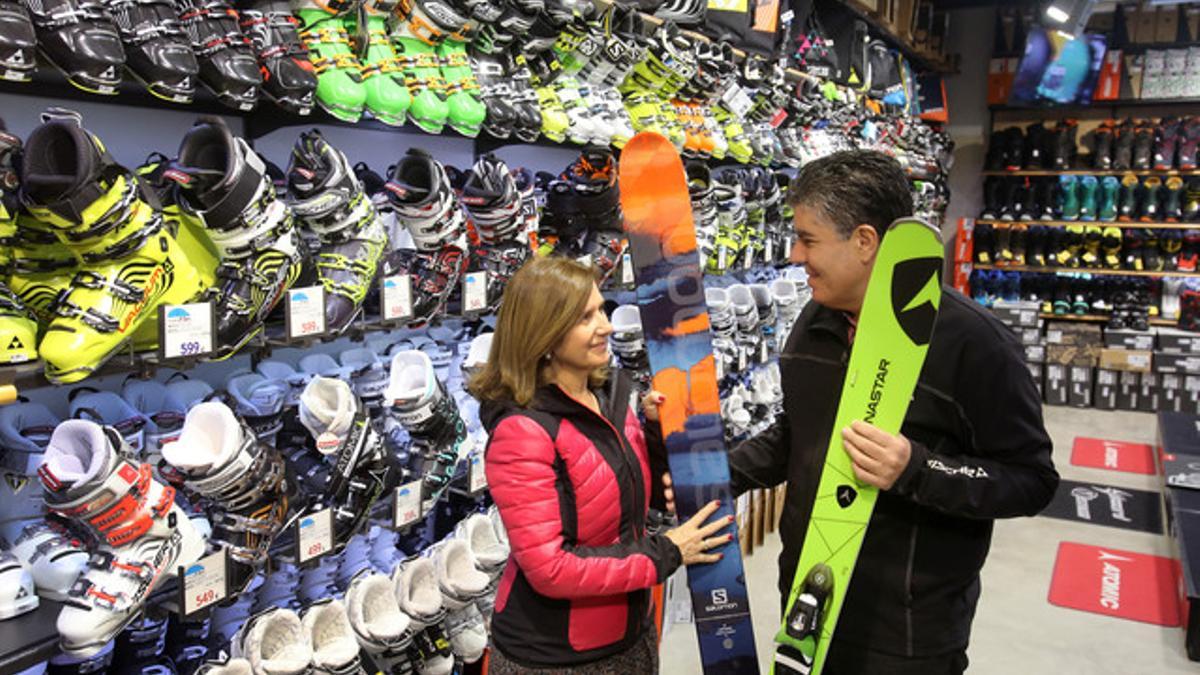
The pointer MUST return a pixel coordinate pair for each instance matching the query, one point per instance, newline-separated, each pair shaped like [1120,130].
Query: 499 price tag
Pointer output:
[314,536]
[186,330]
[204,583]
[305,312]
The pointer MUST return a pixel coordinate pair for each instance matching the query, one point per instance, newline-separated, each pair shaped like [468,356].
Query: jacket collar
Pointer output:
[613,397]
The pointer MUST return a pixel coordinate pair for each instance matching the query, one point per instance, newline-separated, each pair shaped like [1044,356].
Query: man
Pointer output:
[973,446]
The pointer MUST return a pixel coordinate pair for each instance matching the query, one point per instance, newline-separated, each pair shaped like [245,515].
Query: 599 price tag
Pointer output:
[305,312]
[204,583]
[314,536]
[186,330]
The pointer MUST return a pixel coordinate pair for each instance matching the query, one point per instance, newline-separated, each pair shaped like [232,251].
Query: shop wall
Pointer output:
[966,94]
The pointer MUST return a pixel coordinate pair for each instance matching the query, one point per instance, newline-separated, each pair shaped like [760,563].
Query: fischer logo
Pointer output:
[1110,580]
[877,390]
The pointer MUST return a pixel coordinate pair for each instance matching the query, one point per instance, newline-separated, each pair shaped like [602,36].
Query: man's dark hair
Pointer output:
[853,187]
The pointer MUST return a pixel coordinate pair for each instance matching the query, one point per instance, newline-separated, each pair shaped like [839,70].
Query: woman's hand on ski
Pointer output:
[650,403]
[695,537]
[668,493]
[879,458]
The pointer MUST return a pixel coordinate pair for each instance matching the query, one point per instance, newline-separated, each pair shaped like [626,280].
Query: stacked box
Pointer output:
[1022,318]
[1177,366]
[1118,377]
[1072,352]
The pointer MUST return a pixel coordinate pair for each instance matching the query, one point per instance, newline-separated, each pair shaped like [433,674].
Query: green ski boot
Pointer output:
[340,89]
[466,111]
[415,37]
[1088,187]
[1110,187]
[388,98]
[1069,197]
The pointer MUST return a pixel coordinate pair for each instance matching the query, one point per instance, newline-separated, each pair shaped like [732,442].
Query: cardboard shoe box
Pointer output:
[1056,388]
[1127,338]
[1073,355]
[1127,360]
[1129,389]
[1178,364]
[1080,392]
[1148,392]
[1107,383]
[1178,341]
[1073,333]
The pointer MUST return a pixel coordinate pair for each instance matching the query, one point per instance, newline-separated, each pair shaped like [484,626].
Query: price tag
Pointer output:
[763,355]
[407,504]
[748,258]
[204,583]
[769,250]
[396,297]
[478,478]
[186,330]
[737,101]
[305,312]
[720,367]
[741,359]
[474,292]
[626,269]
[721,258]
[314,536]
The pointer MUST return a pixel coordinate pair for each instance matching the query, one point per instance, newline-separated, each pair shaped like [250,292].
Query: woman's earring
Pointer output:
[547,357]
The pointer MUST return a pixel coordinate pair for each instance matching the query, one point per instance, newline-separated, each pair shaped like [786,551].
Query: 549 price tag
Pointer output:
[204,583]
[408,504]
[314,536]
[186,330]
[305,312]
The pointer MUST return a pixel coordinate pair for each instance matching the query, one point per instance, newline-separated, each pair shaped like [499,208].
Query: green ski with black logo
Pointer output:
[892,337]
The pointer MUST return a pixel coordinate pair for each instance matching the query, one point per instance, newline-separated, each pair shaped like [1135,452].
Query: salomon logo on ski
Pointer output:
[916,290]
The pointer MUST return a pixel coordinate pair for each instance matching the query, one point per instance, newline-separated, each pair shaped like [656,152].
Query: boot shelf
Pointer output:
[1086,270]
[1099,318]
[1098,223]
[1093,172]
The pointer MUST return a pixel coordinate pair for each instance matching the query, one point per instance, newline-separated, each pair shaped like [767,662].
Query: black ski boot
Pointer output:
[1172,207]
[1123,146]
[996,153]
[1009,206]
[1035,246]
[1035,144]
[496,92]
[1027,207]
[1151,212]
[1131,244]
[1064,144]
[992,198]
[1151,255]
[1166,139]
[227,64]
[18,42]
[1143,145]
[79,39]
[1128,208]
[1189,140]
[157,51]
[1102,153]
[1014,148]
[1171,244]
[1044,195]
[288,77]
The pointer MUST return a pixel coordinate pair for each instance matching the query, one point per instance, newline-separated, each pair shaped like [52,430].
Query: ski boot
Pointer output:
[259,401]
[1151,257]
[1128,207]
[1143,145]
[495,92]
[462,584]
[493,204]
[338,422]
[1112,247]
[1189,139]
[346,234]
[1150,211]
[1069,197]
[108,409]
[226,183]
[1131,246]
[1171,243]
[465,112]
[388,98]
[629,345]
[18,40]
[340,90]
[334,645]
[1166,139]
[162,411]
[273,642]
[102,213]
[79,39]
[490,555]
[1189,255]
[417,593]
[1035,246]
[227,64]
[415,36]
[418,399]
[1110,187]
[381,628]
[1172,208]
[1088,186]
[241,479]
[157,51]
[1123,146]
[1092,237]
[425,204]
[1045,197]
[1103,146]
[289,79]
[1064,144]
[1018,236]
[1069,254]
[142,535]
[704,210]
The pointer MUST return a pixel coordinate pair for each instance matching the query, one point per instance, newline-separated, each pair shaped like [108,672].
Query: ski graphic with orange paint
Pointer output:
[670,292]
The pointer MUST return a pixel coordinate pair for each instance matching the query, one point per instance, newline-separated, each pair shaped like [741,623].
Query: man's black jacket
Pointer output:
[979,452]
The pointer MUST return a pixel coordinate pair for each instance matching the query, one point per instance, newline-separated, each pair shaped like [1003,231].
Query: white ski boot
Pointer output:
[381,628]
[230,667]
[462,584]
[490,555]
[275,643]
[141,535]
[16,587]
[417,593]
[334,644]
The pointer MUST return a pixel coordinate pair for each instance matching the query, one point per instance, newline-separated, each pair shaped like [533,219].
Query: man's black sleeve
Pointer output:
[761,461]
[1007,470]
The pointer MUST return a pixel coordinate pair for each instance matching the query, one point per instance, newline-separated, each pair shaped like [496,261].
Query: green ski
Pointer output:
[894,328]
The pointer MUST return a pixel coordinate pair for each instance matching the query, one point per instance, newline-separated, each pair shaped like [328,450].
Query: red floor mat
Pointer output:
[1114,455]
[1118,583]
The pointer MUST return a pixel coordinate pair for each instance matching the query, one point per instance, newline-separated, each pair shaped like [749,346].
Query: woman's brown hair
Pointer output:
[542,303]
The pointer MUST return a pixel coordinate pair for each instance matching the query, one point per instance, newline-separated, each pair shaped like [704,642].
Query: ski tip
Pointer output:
[913,220]
[647,141]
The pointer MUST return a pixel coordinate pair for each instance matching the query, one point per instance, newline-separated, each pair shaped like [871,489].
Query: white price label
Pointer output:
[769,251]
[474,292]
[187,330]
[396,297]
[720,368]
[204,583]
[478,476]
[314,535]
[721,258]
[626,269]
[741,359]
[306,312]
[408,504]
[763,354]
[748,258]
[737,101]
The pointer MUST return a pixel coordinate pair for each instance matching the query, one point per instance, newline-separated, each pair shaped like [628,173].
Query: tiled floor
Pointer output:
[1016,629]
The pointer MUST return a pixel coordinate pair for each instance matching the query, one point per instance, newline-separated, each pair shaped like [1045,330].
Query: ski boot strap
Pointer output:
[252,472]
[430,21]
[212,41]
[116,510]
[245,202]
[336,215]
[275,224]
[66,14]
[433,225]
[151,26]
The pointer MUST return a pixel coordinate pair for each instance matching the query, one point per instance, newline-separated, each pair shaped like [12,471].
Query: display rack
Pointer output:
[1098,223]
[1084,270]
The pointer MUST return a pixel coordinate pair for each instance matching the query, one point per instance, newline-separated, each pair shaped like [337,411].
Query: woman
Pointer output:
[569,468]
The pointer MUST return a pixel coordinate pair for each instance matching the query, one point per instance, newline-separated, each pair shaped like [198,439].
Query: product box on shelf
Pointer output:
[1191,394]
[1030,336]
[1080,390]
[1170,392]
[1178,341]
[1108,84]
[1148,392]
[1035,353]
[1073,355]
[1129,389]
[1166,24]
[1170,362]
[1037,371]
[1057,388]
[1127,338]
[1018,314]
[1107,382]
[1132,360]
[1073,333]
